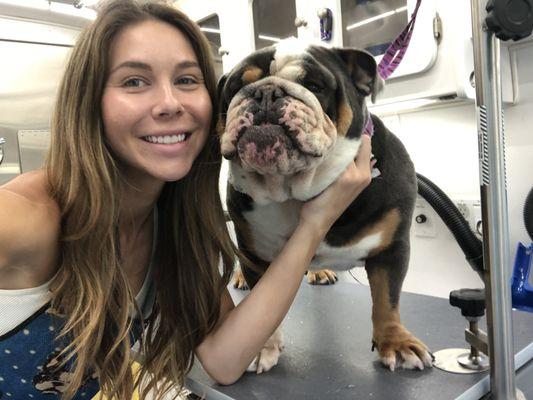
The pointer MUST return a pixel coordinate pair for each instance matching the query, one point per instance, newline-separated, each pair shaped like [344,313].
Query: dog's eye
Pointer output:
[313,86]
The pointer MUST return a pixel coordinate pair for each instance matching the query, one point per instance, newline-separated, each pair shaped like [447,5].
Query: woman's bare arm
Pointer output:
[29,229]
[226,353]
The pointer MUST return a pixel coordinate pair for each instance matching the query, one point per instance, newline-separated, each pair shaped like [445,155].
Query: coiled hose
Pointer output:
[528,214]
[471,246]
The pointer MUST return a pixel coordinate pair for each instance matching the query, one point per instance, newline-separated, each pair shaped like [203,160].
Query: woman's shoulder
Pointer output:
[28,213]
[31,189]
[29,231]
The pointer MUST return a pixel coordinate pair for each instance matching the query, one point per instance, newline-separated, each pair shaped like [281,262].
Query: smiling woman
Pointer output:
[132,134]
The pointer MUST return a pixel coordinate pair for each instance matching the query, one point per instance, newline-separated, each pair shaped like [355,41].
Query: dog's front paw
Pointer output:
[321,277]
[398,347]
[269,354]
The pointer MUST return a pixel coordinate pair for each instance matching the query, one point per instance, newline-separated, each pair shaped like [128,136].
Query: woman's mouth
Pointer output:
[167,139]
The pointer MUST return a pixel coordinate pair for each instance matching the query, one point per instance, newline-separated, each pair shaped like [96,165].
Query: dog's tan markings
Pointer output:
[251,74]
[321,277]
[386,226]
[220,126]
[238,279]
[345,119]
[390,337]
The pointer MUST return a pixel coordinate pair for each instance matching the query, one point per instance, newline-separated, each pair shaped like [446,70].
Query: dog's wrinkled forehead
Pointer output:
[291,59]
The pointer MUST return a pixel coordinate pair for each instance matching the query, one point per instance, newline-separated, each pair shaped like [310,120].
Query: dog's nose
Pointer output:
[267,95]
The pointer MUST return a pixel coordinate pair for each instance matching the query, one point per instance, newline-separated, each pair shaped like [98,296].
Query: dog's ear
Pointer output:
[220,87]
[363,71]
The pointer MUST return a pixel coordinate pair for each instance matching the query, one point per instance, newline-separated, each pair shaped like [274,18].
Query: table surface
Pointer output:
[327,351]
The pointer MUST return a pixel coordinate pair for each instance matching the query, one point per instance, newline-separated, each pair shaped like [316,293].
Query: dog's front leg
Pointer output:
[321,277]
[396,345]
[269,354]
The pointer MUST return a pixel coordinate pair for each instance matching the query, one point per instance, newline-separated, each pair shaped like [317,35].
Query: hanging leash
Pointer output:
[392,58]
[397,49]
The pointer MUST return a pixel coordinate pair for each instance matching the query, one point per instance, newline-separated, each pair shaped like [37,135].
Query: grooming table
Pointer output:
[327,353]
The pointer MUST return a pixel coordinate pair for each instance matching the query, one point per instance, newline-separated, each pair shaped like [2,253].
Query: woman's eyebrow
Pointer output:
[187,64]
[132,64]
[147,67]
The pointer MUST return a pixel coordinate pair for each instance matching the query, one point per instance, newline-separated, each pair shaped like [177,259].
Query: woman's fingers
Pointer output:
[365,152]
[330,204]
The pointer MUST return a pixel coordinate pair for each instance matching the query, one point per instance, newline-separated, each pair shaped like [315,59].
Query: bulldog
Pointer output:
[291,119]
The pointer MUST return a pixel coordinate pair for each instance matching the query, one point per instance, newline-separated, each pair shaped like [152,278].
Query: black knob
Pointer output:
[510,19]
[420,219]
[470,301]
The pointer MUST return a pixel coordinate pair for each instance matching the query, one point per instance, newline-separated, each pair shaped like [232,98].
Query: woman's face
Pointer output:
[156,109]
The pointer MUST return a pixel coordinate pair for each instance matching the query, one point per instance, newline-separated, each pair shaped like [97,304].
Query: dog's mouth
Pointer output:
[283,141]
[268,149]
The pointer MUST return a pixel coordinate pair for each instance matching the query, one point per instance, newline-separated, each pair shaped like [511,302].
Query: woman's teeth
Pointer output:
[170,139]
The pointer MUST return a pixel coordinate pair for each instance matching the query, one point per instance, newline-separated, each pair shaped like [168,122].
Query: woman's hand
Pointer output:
[322,211]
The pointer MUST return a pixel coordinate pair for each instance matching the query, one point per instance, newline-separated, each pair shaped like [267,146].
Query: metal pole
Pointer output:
[496,255]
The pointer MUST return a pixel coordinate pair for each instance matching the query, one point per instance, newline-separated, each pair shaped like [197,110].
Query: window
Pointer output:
[211,28]
[372,24]
[273,21]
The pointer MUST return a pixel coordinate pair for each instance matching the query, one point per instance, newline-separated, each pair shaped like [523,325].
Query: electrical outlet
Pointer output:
[477,219]
[424,219]
[471,211]
[463,208]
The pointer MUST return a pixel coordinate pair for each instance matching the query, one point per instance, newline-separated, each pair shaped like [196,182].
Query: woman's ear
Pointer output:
[363,71]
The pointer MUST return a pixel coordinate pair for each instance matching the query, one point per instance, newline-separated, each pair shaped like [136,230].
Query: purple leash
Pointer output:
[393,56]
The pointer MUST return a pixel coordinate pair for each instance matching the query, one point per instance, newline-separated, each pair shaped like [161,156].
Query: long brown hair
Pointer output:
[194,255]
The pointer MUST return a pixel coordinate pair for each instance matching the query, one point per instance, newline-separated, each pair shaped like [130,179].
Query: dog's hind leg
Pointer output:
[397,346]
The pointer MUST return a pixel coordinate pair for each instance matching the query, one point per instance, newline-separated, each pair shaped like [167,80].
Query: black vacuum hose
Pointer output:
[472,247]
[528,214]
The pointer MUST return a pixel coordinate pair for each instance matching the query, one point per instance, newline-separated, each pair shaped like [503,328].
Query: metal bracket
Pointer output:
[437,28]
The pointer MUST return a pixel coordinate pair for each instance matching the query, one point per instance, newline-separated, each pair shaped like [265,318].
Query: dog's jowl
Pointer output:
[292,117]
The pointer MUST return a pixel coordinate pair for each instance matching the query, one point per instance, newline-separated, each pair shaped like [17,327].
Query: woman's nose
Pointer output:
[167,102]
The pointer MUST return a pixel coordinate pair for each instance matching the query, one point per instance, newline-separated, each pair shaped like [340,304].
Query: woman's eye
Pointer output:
[186,80]
[134,83]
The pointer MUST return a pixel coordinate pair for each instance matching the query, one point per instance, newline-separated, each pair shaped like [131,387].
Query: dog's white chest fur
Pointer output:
[271,226]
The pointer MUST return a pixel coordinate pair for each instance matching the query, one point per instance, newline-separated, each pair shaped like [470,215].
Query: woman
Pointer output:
[126,205]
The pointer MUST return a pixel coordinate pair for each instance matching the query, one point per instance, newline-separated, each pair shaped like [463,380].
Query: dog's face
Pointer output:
[290,109]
